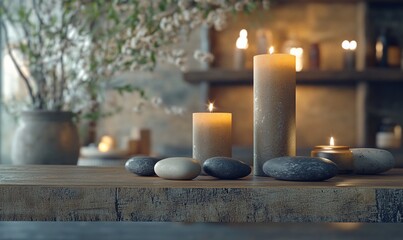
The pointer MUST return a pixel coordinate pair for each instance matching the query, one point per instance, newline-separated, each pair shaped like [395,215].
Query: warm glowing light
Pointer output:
[345,44]
[353,45]
[242,41]
[331,141]
[211,107]
[351,226]
[271,50]
[106,144]
[349,45]
[298,53]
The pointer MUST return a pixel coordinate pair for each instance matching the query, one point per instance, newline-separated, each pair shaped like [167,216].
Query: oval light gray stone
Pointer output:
[141,165]
[300,168]
[226,168]
[372,160]
[178,168]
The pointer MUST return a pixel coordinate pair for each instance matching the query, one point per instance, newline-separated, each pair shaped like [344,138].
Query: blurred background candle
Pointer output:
[389,134]
[341,155]
[212,135]
[274,108]
[240,50]
[349,48]
[106,144]
[299,61]
[294,47]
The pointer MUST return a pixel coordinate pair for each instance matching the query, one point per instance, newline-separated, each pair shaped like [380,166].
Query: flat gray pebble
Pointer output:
[300,168]
[226,168]
[141,165]
[372,160]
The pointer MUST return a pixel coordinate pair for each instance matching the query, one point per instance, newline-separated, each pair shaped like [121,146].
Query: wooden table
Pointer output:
[70,193]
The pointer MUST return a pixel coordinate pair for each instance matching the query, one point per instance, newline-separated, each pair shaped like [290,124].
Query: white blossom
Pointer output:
[142,36]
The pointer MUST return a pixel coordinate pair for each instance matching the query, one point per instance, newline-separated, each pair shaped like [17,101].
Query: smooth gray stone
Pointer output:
[300,168]
[226,168]
[178,168]
[372,160]
[141,165]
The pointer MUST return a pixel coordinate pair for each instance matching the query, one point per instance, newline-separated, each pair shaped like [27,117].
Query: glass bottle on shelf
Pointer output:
[387,50]
[381,47]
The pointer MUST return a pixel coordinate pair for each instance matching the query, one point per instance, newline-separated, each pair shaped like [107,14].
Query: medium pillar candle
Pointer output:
[274,108]
[211,135]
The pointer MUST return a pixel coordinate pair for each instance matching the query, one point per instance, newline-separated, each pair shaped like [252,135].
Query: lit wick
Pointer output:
[211,107]
[271,50]
[331,141]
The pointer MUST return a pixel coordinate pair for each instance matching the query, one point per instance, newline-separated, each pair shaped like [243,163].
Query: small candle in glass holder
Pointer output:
[341,155]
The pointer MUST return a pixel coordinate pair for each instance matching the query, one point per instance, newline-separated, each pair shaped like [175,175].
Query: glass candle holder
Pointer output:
[341,155]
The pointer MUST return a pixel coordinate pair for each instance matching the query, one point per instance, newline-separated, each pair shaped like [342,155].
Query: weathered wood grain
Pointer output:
[70,193]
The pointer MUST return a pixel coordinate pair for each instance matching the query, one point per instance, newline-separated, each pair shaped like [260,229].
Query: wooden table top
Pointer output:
[45,175]
[76,193]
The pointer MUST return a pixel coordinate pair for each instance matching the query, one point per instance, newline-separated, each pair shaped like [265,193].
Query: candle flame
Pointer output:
[242,41]
[271,50]
[331,141]
[211,107]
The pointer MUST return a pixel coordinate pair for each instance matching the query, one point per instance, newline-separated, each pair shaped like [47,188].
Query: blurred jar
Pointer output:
[389,134]
[314,56]
[387,49]
[394,52]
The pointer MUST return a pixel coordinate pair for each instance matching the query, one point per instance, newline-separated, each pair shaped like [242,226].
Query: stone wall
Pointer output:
[169,133]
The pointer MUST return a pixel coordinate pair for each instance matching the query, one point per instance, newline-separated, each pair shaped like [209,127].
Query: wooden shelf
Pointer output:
[71,193]
[221,76]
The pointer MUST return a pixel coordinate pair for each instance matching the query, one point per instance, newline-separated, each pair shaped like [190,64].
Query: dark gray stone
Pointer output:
[141,165]
[372,160]
[300,168]
[226,168]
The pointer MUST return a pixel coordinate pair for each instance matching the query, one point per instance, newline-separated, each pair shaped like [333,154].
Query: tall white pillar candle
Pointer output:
[274,108]
[212,135]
